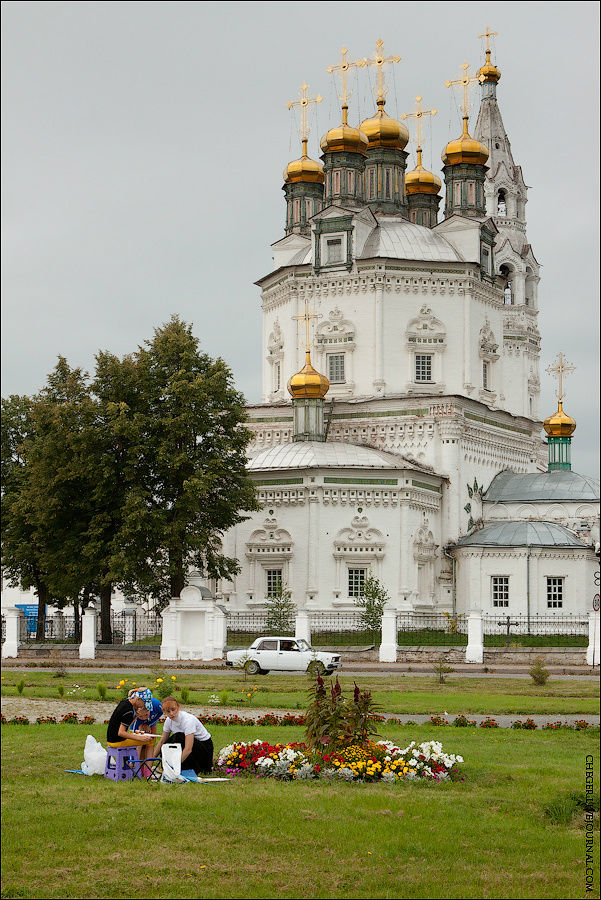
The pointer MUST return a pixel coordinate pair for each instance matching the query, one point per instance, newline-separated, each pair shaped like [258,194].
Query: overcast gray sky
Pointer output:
[144,143]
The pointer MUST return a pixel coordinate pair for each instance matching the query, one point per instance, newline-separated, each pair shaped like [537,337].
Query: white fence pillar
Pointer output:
[592,653]
[169,632]
[14,618]
[389,646]
[474,652]
[87,648]
[59,625]
[302,625]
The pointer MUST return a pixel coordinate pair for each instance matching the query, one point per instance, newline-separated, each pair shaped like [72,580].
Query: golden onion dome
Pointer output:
[304,169]
[308,383]
[465,150]
[344,137]
[489,71]
[560,424]
[420,181]
[384,131]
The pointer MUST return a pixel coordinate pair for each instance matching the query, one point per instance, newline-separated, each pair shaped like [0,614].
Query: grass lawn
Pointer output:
[70,837]
[397,694]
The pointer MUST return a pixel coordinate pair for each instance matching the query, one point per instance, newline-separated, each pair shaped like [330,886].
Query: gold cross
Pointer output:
[304,102]
[344,66]
[487,36]
[379,60]
[418,115]
[306,317]
[559,368]
[465,80]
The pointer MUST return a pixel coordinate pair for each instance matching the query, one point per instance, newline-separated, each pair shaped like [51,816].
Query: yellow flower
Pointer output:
[249,695]
[159,680]
[174,679]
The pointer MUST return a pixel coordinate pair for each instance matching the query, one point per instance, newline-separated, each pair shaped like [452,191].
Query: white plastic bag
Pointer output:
[172,763]
[94,756]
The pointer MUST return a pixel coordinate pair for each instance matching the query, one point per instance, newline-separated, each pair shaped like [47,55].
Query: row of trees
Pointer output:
[126,478]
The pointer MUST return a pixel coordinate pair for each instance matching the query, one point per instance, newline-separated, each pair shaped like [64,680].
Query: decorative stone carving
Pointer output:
[359,538]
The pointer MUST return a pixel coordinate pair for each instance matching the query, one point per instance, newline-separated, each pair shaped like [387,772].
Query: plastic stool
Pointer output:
[124,760]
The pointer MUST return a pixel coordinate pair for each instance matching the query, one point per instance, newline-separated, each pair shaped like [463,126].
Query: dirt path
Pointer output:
[23,706]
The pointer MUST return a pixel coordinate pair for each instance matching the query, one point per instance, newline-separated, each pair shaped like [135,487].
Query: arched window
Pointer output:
[501,203]
[507,274]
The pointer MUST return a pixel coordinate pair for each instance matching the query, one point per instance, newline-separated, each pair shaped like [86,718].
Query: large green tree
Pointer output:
[187,459]
[23,538]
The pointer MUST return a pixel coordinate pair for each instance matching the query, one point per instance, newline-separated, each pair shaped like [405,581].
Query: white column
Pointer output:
[475,640]
[379,338]
[312,544]
[592,653]
[169,636]
[13,617]
[219,633]
[388,647]
[302,625]
[59,625]
[406,551]
[87,648]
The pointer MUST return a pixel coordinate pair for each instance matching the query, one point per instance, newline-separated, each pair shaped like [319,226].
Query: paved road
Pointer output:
[354,672]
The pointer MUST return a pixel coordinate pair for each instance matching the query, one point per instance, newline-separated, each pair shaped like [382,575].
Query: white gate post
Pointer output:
[13,617]
[169,631]
[592,653]
[388,646]
[302,625]
[474,652]
[59,625]
[87,648]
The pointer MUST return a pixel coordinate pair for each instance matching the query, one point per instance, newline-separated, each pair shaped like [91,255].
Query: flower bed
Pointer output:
[376,761]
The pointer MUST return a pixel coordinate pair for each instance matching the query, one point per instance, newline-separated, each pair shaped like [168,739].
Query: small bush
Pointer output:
[61,690]
[438,720]
[21,685]
[101,688]
[537,671]
[61,672]
[441,669]
[224,697]
[463,722]
[489,723]
[185,694]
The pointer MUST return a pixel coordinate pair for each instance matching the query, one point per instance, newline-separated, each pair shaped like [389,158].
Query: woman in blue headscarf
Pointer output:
[146,721]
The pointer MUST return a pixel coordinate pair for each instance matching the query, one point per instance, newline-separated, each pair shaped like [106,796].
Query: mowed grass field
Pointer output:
[70,836]
[396,694]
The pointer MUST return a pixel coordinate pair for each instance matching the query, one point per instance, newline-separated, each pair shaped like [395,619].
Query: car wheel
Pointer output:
[252,667]
[316,667]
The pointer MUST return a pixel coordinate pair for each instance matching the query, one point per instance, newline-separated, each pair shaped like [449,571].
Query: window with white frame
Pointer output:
[387,183]
[423,367]
[372,184]
[356,582]
[277,376]
[554,593]
[485,375]
[471,193]
[274,582]
[500,590]
[457,193]
[334,250]
[336,368]
[350,176]
[336,182]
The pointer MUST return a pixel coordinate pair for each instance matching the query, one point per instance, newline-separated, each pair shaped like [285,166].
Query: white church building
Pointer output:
[417,456]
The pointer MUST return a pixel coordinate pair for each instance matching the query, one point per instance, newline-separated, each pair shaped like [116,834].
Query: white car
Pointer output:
[282,654]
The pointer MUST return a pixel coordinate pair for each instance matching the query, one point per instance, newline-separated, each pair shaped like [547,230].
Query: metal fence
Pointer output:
[56,630]
[137,627]
[341,629]
[425,629]
[535,631]
[243,628]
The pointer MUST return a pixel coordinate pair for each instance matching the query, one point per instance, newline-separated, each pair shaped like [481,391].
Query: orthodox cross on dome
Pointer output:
[487,36]
[465,80]
[418,116]
[304,101]
[344,66]
[378,59]
[559,368]
[306,318]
